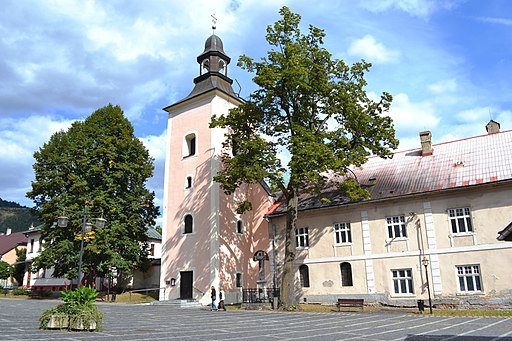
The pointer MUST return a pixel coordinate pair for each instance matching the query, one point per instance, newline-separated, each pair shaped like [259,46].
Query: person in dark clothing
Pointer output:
[214,297]
[221,301]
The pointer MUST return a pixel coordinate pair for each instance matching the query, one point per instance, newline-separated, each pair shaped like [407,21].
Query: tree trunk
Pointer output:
[288,292]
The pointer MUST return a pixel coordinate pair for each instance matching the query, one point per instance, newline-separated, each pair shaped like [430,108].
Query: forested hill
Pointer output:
[15,216]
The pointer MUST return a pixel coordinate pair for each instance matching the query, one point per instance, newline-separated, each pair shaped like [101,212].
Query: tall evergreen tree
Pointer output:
[314,108]
[98,165]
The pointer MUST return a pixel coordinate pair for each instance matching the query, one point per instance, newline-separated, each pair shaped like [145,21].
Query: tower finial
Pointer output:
[214,22]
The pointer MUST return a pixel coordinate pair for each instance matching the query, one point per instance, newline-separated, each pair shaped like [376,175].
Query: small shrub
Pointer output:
[19,291]
[81,296]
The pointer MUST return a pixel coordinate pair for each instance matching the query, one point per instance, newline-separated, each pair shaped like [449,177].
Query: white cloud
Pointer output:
[478,114]
[156,145]
[444,86]
[409,116]
[373,51]
[418,8]
[500,21]
[19,139]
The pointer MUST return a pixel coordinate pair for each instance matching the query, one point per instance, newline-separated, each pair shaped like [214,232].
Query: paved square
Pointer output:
[19,320]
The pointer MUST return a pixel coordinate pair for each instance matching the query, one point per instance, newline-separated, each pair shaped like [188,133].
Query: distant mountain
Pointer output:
[15,216]
[12,204]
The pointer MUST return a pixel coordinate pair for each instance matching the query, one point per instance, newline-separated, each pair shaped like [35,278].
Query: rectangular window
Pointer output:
[152,249]
[31,248]
[460,220]
[469,278]
[238,280]
[396,227]
[301,237]
[342,233]
[402,281]
[239,226]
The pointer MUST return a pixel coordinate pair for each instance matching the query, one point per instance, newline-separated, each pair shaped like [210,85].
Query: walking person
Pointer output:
[221,301]
[214,297]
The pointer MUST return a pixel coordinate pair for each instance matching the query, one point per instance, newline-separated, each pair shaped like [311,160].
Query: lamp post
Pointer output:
[62,221]
[425,264]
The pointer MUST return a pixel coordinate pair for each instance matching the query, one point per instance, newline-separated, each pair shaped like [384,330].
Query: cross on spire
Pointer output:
[214,23]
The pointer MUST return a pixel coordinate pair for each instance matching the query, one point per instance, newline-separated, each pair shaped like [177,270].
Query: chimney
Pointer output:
[426,143]
[8,231]
[492,127]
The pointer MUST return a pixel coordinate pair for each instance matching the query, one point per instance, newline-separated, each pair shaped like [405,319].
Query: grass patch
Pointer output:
[469,312]
[13,296]
[133,298]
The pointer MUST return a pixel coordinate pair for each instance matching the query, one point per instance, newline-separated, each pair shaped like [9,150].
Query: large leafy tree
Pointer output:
[314,108]
[98,165]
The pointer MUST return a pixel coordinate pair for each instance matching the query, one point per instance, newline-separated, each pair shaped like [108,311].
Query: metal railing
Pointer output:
[260,295]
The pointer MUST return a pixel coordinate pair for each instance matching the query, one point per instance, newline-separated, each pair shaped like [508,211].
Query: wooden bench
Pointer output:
[350,303]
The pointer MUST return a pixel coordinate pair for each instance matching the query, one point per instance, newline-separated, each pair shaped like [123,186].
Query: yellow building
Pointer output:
[432,223]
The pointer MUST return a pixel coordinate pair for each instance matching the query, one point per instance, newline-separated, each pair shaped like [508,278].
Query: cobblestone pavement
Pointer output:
[19,321]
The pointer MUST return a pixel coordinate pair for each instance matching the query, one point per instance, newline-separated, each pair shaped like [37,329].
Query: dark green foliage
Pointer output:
[20,292]
[18,270]
[316,109]
[6,203]
[5,270]
[98,165]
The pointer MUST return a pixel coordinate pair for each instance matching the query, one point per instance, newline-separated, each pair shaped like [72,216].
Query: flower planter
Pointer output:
[58,322]
[78,324]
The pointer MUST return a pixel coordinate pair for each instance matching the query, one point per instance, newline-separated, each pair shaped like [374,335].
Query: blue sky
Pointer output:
[446,63]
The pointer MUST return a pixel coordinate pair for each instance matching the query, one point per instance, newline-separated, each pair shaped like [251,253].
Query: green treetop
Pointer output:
[97,163]
[315,109]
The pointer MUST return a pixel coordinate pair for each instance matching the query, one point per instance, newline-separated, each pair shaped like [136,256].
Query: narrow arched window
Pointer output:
[190,145]
[304,276]
[346,274]
[189,222]
[188,182]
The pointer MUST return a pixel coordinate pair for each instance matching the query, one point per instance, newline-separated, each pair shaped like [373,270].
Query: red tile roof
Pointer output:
[461,163]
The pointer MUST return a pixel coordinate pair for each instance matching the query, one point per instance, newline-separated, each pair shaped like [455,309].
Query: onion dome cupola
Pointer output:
[213,69]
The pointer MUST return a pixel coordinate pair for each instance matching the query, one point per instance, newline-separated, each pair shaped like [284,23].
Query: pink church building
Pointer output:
[204,241]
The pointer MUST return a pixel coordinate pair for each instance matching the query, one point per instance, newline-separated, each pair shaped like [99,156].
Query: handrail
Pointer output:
[148,289]
[202,293]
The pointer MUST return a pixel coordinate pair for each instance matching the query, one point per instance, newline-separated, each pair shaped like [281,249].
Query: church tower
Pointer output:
[205,242]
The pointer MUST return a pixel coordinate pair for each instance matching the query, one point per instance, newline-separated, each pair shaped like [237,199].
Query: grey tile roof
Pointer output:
[456,164]
[153,234]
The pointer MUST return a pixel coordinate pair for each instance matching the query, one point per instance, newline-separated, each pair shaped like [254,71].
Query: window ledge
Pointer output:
[470,293]
[399,239]
[402,295]
[301,247]
[343,244]
[462,234]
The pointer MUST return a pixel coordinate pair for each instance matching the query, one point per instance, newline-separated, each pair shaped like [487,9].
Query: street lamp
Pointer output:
[425,264]
[62,221]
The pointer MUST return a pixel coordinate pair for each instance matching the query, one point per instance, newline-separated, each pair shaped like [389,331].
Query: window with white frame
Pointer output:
[302,237]
[342,233]
[190,145]
[402,281]
[396,227]
[469,278]
[460,220]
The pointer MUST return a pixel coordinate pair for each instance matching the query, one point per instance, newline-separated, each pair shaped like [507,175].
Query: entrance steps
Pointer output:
[190,303]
